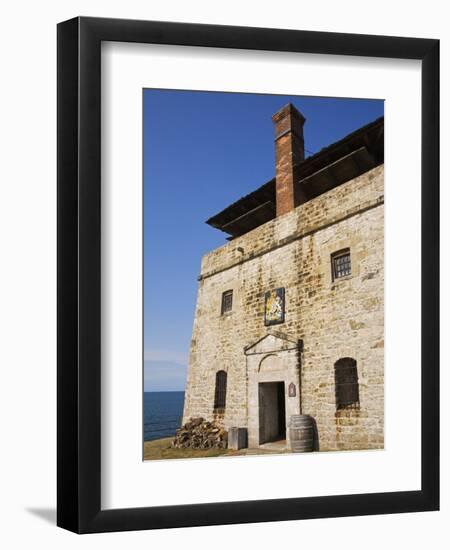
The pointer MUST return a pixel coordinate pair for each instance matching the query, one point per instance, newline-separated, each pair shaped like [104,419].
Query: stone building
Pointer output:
[290,313]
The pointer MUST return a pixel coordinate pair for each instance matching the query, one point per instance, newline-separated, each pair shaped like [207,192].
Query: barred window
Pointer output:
[341,265]
[220,395]
[346,384]
[227,301]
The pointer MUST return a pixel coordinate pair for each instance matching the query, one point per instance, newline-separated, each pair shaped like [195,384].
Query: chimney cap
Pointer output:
[288,110]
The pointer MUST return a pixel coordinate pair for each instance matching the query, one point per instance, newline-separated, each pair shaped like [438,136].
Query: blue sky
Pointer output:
[202,151]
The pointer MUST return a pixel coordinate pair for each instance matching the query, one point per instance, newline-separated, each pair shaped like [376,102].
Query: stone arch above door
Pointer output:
[270,362]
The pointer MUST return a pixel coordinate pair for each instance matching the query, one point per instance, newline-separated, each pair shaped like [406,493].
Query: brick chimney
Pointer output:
[289,151]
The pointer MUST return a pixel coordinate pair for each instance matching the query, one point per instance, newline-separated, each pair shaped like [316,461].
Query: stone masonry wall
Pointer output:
[334,320]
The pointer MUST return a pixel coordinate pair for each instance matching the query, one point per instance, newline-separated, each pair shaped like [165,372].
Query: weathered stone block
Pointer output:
[237,438]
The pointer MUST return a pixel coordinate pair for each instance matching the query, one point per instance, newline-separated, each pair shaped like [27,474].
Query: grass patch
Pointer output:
[160,449]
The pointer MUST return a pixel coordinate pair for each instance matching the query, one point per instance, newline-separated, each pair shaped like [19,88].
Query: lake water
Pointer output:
[162,413]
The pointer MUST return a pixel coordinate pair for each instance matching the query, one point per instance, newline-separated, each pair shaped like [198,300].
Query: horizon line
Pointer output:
[163,391]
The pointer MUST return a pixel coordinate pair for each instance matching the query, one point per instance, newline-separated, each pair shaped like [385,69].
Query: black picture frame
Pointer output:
[79,277]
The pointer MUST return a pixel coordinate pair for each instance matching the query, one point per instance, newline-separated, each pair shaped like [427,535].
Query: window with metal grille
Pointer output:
[227,301]
[220,395]
[346,384]
[341,265]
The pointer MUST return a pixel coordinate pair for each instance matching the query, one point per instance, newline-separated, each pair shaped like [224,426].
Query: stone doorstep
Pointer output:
[279,446]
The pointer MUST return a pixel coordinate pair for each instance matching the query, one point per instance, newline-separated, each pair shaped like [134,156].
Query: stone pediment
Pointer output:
[271,343]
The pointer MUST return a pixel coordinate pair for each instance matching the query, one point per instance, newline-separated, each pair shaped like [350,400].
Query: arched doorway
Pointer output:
[272,368]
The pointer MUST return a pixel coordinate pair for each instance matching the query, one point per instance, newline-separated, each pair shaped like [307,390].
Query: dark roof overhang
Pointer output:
[342,161]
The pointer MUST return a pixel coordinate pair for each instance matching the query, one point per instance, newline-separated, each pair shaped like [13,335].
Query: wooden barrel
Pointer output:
[301,433]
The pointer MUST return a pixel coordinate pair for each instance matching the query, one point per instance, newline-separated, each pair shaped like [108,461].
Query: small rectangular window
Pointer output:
[341,264]
[227,301]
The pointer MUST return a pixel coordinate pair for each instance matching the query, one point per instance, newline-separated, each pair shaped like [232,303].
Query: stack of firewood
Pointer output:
[200,434]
